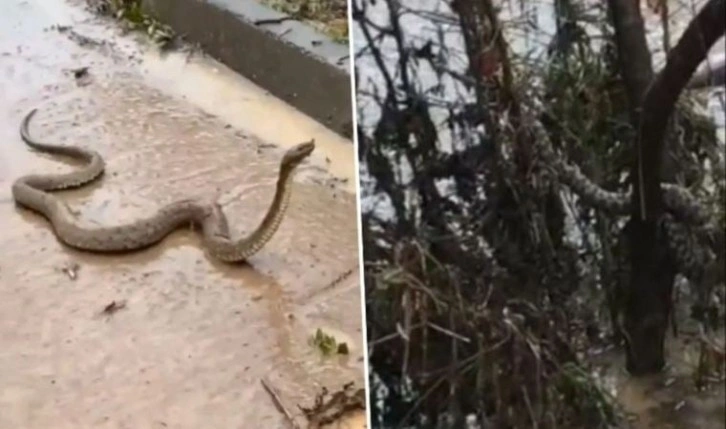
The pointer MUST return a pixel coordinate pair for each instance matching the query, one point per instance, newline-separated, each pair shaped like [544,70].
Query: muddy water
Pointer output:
[195,336]
[216,89]
[669,400]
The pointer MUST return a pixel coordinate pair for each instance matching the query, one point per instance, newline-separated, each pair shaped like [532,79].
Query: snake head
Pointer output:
[295,155]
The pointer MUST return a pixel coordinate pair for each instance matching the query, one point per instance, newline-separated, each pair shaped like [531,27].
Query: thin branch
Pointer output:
[278,404]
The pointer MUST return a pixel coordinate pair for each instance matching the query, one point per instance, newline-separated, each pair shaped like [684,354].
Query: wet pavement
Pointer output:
[195,337]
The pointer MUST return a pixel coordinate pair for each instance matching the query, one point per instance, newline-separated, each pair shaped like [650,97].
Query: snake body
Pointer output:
[34,192]
[695,236]
[677,200]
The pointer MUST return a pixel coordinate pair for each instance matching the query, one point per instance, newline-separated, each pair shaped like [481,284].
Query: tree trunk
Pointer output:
[652,270]
[636,67]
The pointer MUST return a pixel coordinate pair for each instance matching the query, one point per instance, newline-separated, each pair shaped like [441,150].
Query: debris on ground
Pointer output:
[113,307]
[82,76]
[278,403]
[330,408]
[328,16]
[132,18]
[71,270]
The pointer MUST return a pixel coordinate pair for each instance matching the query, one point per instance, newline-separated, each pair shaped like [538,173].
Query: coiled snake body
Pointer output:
[33,192]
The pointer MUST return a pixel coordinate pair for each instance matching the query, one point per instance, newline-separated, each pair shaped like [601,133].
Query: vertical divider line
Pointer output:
[361,262]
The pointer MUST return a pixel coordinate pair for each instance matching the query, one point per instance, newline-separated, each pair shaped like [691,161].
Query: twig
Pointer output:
[448,332]
[392,336]
[275,20]
[278,404]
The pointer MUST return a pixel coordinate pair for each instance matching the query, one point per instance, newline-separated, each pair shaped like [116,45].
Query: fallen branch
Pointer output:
[278,404]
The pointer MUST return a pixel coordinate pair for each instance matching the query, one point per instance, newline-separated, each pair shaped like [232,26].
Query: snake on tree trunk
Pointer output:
[33,192]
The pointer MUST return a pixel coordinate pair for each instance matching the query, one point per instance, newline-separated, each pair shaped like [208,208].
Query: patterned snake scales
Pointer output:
[33,192]
[690,227]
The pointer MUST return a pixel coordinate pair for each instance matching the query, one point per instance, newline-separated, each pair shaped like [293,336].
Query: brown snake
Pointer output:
[33,192]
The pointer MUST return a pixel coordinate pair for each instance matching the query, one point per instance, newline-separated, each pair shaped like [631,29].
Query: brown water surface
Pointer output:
[669,400]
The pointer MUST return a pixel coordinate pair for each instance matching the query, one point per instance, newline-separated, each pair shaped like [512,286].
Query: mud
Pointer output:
[195,336]
[669,400]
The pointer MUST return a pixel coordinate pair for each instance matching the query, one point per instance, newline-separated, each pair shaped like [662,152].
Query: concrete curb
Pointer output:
[293,61]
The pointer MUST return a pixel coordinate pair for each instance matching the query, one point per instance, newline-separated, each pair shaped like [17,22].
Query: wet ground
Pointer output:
[195,337]
[671,399]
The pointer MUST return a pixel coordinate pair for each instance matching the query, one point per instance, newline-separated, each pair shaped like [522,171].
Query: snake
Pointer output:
[33,192]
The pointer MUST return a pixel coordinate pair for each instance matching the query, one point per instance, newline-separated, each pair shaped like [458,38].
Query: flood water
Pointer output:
[195,336]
